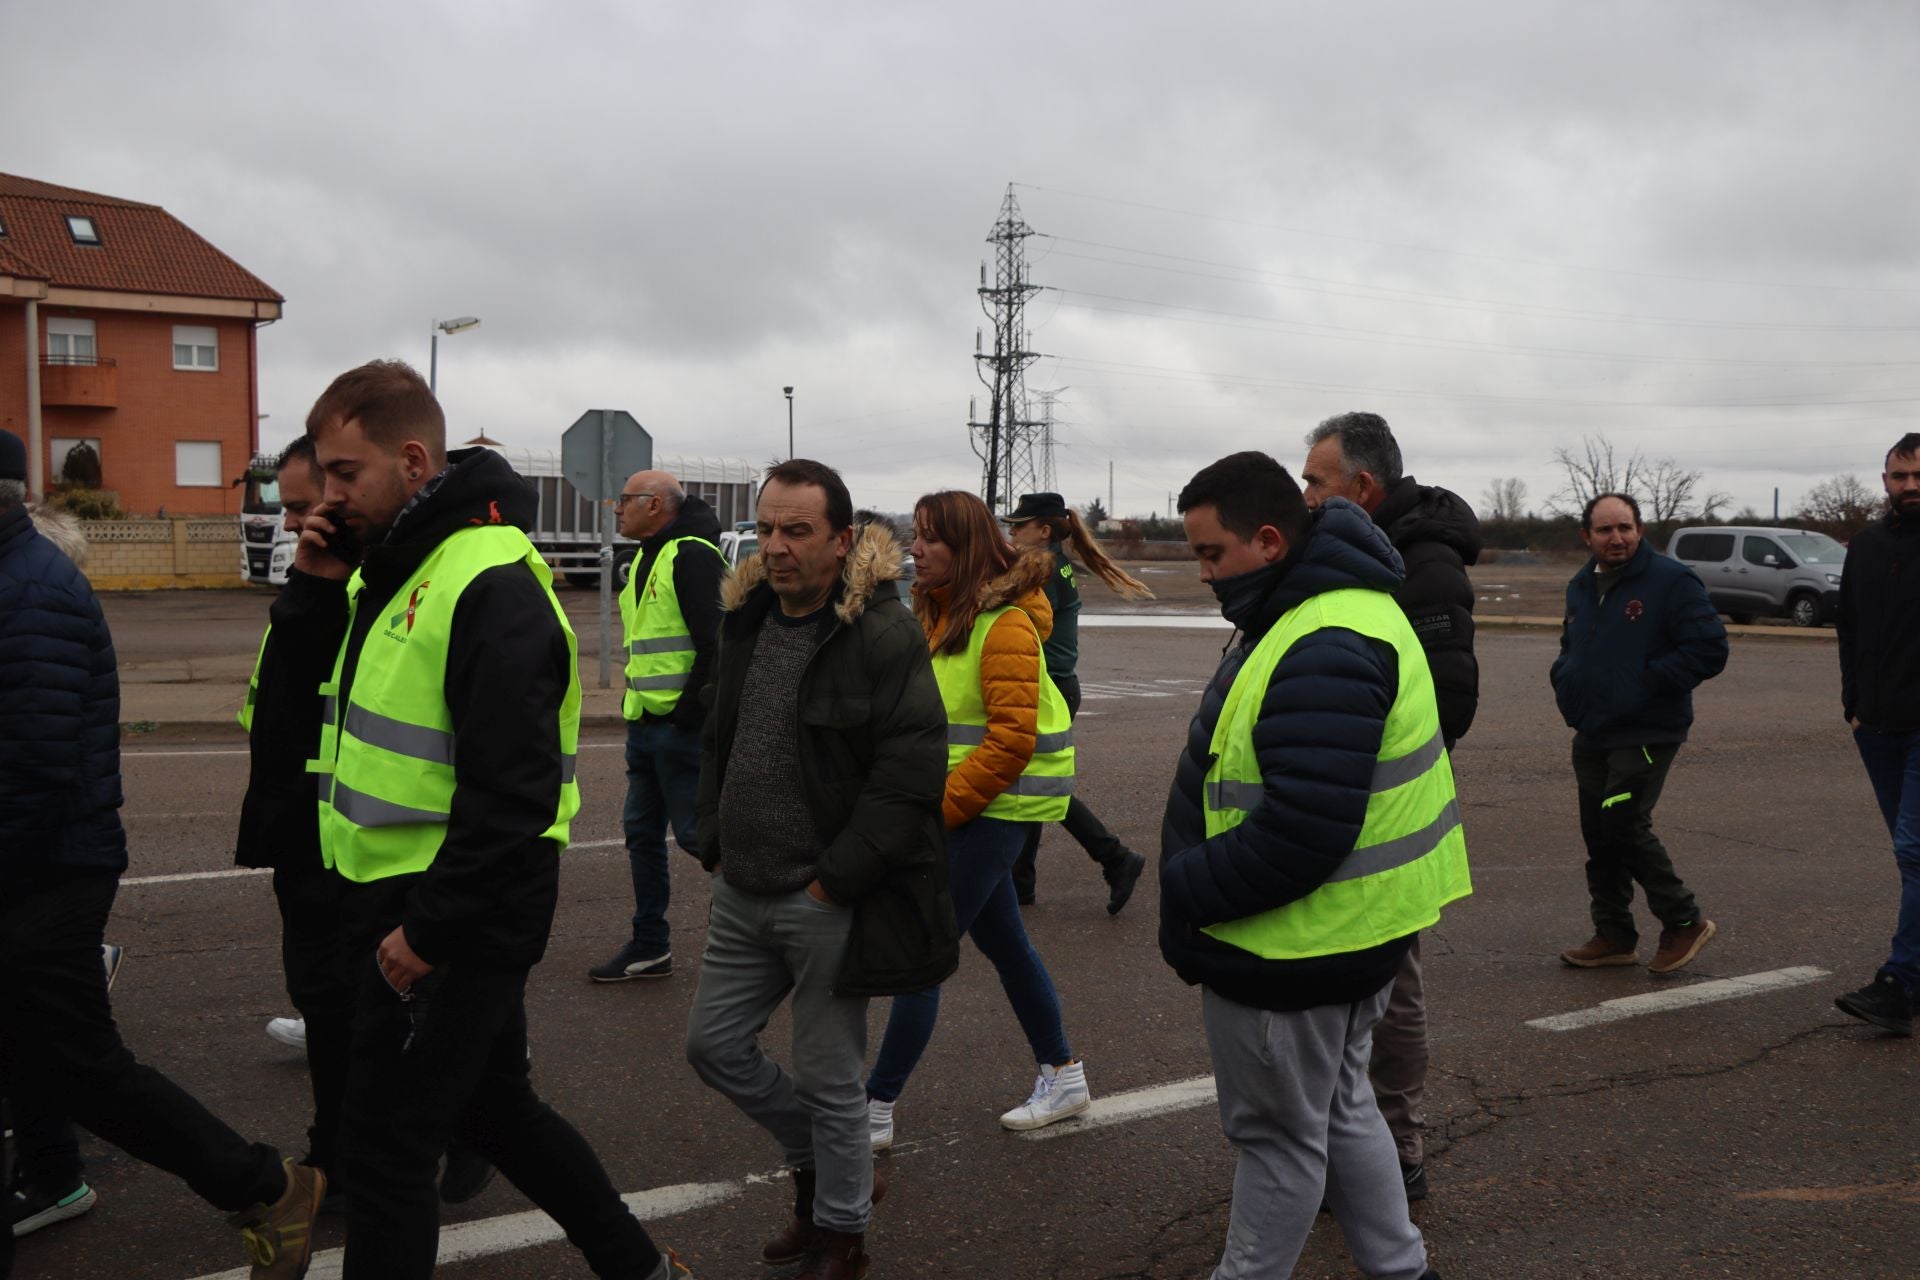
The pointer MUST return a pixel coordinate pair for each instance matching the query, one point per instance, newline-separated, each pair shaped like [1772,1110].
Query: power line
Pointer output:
[1471,254]
[1538,311]
[1309,328]
[1259,380]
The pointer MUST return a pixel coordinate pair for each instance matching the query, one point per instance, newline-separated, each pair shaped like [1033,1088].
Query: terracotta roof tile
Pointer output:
[142,249]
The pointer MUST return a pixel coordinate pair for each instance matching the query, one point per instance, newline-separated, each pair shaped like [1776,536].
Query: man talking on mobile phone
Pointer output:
[446,777]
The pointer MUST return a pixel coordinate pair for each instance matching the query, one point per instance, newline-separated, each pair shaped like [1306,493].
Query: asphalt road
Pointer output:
[1766,1135]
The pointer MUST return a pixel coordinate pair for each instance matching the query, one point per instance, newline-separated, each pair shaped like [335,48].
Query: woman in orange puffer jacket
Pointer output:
[966,571]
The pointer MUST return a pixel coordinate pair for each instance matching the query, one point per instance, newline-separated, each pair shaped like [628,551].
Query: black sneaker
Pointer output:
[631,962]
[1121,876]
[1883,1002]
[1415,1176]
[30,1208]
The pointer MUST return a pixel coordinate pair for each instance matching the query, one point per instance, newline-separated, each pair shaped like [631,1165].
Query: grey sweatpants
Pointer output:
[759,948]
[1296,1104]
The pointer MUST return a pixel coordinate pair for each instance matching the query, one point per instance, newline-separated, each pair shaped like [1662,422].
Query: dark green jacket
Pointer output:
[871,732]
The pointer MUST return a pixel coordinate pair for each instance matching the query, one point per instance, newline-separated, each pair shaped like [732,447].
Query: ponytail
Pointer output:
[1087,549]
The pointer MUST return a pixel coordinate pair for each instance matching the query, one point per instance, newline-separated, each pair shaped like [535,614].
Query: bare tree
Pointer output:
[1667,491]
[1672,493]
[1505,498]
[1843,502]
[1594,470]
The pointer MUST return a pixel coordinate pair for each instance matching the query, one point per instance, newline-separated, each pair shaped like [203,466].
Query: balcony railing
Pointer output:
[79,382]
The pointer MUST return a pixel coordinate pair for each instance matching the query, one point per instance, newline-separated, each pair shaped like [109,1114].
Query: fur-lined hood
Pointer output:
[874,561]
[62,529]
[1023,584]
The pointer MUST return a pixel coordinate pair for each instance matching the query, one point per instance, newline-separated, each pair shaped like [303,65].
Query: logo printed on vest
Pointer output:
[413,604]
[1634,609]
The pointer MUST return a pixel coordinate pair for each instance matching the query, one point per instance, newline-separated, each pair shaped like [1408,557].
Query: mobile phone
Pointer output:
[341,543]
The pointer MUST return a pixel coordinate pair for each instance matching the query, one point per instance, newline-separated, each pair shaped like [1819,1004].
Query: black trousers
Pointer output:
[46,1148]
[319,982]
[58,1046]
[1101,844]
[451,1062]
[1618,790]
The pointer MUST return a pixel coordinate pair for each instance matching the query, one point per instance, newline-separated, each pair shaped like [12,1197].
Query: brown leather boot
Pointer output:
[796,1240]
[837,1255]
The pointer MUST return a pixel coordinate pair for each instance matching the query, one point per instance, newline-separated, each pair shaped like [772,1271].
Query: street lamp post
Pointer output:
[459,324]
[789,391]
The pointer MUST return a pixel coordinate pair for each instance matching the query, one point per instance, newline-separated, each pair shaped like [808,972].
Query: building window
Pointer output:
[82,229]
[69,341]
[196,346]
[62,446]
[196,464]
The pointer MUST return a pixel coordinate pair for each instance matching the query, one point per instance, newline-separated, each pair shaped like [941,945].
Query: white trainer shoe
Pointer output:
[291,1032]
[880,1123]
[1059,1092]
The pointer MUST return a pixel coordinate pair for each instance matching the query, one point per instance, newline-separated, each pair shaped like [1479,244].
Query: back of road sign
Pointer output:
[596,470]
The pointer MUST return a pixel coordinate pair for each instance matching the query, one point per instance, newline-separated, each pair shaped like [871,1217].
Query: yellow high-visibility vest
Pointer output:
[386,758]
[659,646]
[1410,859]
[1045,786]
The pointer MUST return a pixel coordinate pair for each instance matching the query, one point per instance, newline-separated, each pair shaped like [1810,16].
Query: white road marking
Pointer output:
[489,1236]
[505,1234]
[230,873]
[1176,687]
[1137,1104]
[1751,984]
[1174,621]
[182,877]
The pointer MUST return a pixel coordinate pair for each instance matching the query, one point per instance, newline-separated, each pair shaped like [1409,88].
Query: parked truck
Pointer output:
[566,529]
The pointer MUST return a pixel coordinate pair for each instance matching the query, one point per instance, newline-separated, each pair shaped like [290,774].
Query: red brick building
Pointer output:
[123,329]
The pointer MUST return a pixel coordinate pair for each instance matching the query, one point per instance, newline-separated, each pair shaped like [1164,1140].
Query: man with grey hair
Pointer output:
[670,619]
[1355,456]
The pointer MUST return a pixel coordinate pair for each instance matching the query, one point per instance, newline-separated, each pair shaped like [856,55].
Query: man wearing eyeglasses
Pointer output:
[670,616]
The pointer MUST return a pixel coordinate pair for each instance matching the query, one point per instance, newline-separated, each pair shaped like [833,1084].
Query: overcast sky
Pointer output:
[1688,227]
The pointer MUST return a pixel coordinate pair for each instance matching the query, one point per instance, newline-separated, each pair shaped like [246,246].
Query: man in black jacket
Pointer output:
[824,759]
[670,621]
[445,807]
[62,850]
[1879,626]
[1639,635]
[279,828]
[1354,456]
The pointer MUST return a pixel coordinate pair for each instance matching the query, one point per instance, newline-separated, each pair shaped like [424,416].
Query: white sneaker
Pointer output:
[1059,1092]
[880,1123]
[291,1032]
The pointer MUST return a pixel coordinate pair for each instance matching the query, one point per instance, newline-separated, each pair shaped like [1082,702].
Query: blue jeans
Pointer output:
[663,781]
[1893,766]
[980,857]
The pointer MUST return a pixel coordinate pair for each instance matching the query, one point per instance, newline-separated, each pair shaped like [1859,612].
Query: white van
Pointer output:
[1765,572]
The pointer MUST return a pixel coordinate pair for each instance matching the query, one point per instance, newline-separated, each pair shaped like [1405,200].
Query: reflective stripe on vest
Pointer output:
[659,647]
[386,761]
[253,683]
[1044,787]
[1410,859]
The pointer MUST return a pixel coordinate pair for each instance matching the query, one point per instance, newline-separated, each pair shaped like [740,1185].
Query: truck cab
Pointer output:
[266,549]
